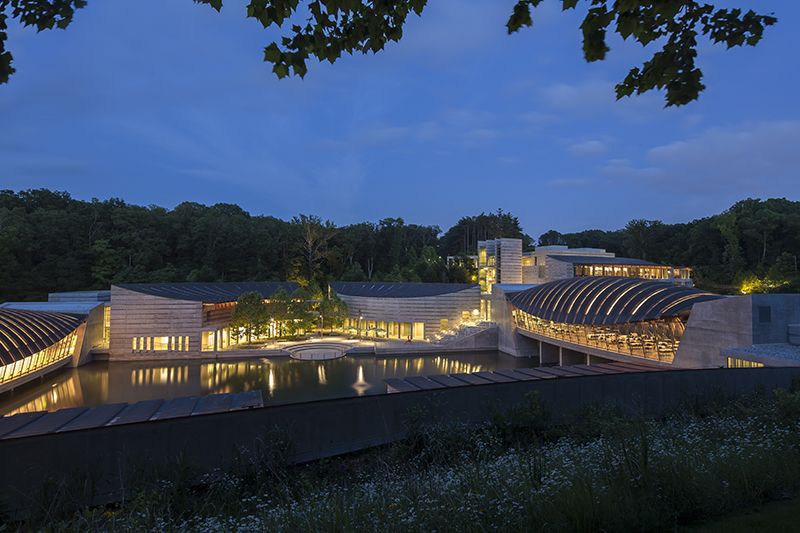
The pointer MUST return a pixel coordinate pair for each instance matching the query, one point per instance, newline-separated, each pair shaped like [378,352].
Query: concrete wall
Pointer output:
[558,269]
[430,309]
[510,261]
[508,341]
[112,456]
[772,326]
[91,337]
[712,326]
[734,322]
[483,340]
[134,314]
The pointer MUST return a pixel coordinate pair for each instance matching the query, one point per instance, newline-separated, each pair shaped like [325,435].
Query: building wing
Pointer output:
[607,300]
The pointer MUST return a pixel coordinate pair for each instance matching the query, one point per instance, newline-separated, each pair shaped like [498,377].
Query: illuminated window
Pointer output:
[59,351]
[207,341]
[651,339]
[106,324]
[734,362]
[160,344]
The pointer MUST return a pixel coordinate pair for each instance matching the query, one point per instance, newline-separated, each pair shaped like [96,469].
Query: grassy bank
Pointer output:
[603,471]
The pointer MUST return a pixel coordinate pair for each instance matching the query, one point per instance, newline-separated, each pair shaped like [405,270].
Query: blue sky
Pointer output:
[160,102]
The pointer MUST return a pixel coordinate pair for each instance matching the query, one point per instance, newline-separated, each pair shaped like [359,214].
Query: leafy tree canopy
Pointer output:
[52,242]
[325,29]
[463,238]
[251,315]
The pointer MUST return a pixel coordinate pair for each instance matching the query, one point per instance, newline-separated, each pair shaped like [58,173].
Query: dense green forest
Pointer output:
[755,244]
[50,241]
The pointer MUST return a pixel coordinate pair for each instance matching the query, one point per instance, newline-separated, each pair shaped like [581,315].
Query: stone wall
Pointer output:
[556,269]
[134,314]
[429,309]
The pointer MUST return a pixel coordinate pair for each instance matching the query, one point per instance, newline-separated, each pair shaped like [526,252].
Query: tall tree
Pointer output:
[463,237]
[640,237]
[278,309]
[313,246]
[250,316]
[52,242]
[551,238]
[333,311]
[301,312]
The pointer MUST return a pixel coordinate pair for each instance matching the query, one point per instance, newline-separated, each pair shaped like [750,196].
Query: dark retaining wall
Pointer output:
[99,464]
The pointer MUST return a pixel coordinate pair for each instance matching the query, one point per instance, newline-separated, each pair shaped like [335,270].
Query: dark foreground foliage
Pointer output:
[605,470]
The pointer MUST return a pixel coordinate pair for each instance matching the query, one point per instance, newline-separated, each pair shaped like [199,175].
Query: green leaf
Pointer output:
[272,53]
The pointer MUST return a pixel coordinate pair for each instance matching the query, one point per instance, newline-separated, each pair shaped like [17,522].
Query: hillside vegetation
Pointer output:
[50,241]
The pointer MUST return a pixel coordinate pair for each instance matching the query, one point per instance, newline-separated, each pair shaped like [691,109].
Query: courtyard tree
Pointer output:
[250,316]
[302,315]
[333,311]
[278,309]
[326,29]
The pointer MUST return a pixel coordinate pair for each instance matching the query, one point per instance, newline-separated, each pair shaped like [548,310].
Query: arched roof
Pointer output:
[607,300]
[23,333]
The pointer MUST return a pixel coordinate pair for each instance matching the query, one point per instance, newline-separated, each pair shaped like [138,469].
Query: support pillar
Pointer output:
[551,354]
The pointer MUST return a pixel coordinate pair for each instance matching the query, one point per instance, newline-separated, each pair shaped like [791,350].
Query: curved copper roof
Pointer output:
[215,292]
[383,289]
[23,333]
[607,300]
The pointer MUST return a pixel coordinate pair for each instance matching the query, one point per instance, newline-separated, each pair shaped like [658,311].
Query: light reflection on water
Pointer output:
[281,380]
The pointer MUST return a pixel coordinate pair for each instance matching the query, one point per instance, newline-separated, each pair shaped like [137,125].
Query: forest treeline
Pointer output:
[50,241]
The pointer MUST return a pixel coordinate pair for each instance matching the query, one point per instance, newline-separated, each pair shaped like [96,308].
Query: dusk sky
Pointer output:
[159,102]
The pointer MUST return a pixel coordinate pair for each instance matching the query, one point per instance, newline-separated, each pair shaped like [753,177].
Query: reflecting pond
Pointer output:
[282,380]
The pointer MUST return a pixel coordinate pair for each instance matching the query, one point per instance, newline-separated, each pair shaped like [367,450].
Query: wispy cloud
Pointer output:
[588,148]
[579,96]
[751,159]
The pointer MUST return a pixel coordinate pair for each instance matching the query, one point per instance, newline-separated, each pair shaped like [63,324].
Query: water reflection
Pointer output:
[361,385]
[281,380]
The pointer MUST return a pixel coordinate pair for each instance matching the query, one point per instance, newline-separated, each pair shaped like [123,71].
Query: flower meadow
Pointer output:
[603,471]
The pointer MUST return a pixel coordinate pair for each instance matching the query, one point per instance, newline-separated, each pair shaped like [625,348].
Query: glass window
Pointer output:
[160,344]
[207,341]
